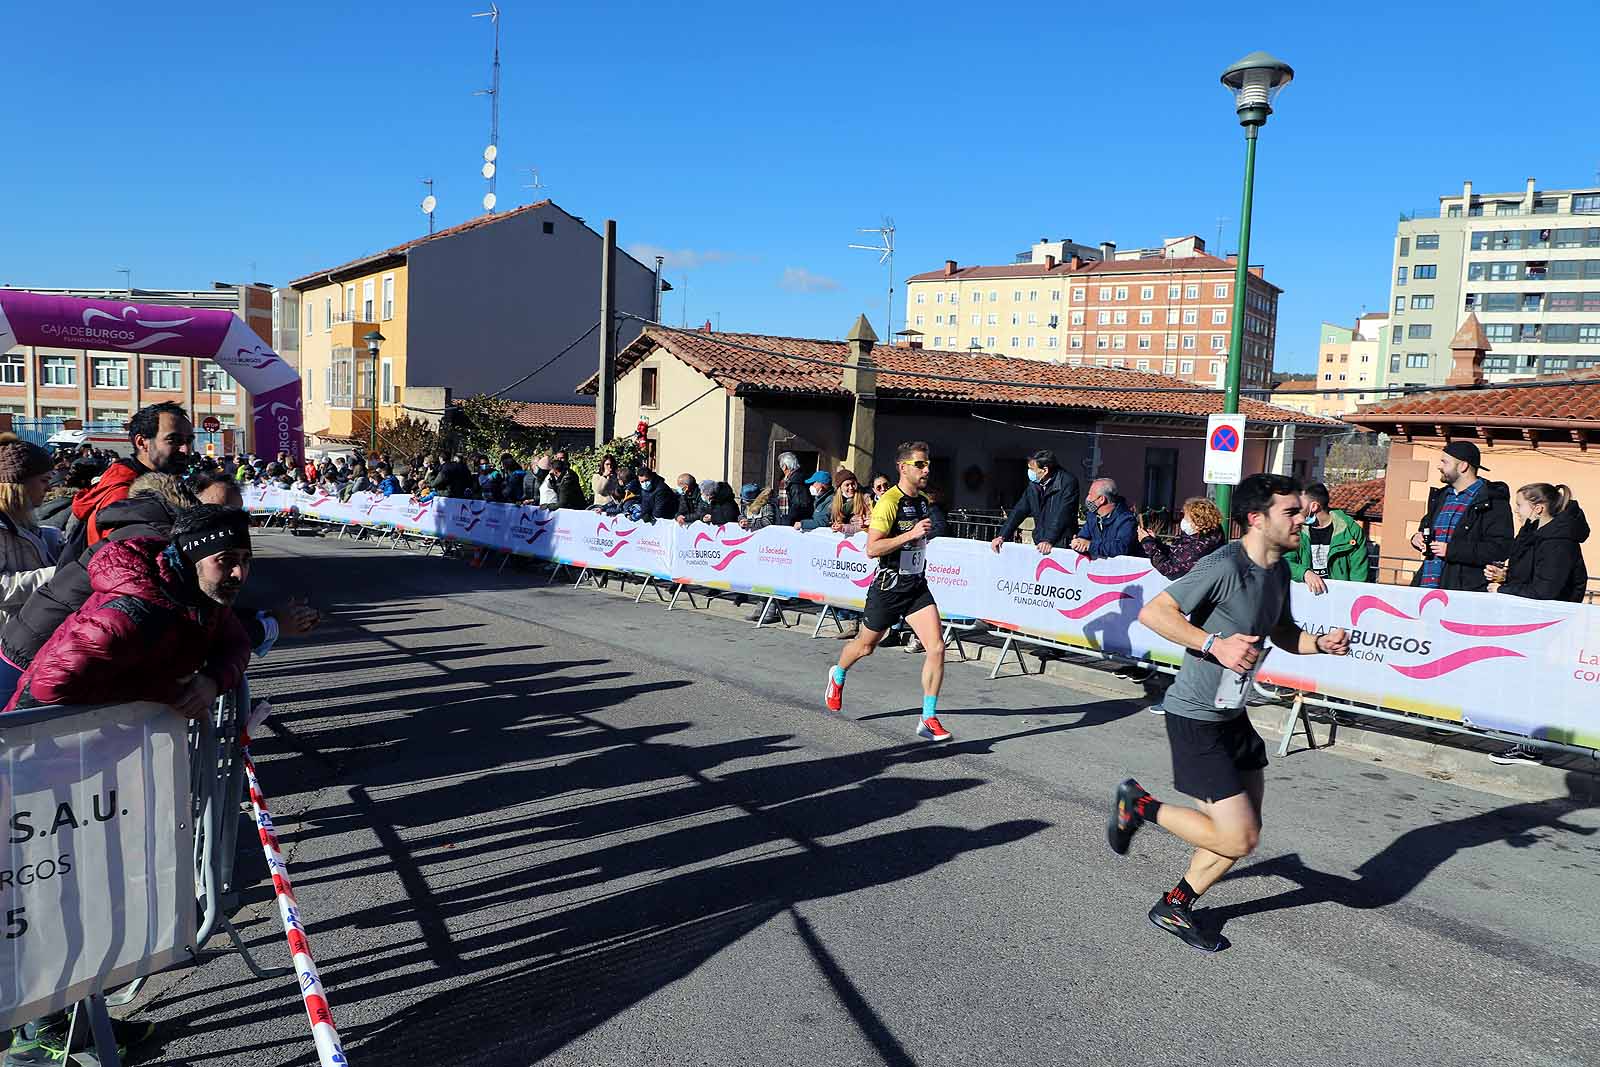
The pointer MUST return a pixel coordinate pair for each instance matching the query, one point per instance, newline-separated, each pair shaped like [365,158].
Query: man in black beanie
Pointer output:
[157,626]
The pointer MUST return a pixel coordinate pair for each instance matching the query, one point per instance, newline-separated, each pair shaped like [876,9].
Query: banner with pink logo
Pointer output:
[198,333]
[1496,662]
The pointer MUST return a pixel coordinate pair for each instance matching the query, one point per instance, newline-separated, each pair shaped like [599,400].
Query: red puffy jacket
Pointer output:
[135,638]
[112,487]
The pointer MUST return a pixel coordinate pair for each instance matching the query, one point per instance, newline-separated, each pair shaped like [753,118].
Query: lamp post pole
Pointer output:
[1254,82]
[374,341]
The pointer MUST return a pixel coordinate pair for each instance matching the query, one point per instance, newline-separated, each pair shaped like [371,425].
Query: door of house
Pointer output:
[1160,479]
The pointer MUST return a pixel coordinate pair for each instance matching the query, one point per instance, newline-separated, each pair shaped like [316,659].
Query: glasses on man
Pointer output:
[920,464]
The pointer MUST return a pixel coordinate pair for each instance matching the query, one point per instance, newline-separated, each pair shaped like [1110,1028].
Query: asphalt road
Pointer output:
[536,824]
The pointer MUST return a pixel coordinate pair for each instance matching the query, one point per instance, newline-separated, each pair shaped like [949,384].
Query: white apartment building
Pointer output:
[1528,263]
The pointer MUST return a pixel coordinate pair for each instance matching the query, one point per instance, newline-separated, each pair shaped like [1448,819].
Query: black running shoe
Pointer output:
[1178,920]
[1125,818]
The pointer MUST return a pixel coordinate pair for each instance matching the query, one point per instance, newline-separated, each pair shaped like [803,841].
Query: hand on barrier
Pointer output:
[996,543]
[199,692]
[1335,642]
[1079,544]
[1044,548]
[1237,652]
[1315,583]
[296,618]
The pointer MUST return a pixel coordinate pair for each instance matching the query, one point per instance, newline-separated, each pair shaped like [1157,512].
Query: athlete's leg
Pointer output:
[924,622]
[1228,828]
[865,643]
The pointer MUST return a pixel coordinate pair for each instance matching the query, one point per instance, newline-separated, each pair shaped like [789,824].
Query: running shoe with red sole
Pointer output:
[833,695]
[929,729]
[1178,920]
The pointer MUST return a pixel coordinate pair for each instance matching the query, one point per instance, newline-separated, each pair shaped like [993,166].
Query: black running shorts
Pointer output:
[893,597]
[1210,759]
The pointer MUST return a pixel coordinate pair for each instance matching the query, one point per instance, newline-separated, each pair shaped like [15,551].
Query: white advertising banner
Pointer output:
[96,870]
[1464,657]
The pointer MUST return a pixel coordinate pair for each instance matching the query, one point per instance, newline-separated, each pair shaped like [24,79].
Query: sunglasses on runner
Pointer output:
[920,464]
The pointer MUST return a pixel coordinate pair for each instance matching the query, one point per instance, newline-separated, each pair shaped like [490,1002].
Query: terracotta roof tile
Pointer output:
[728,359]
[1574,397]
[553,416]
[1364,500]
[402,249]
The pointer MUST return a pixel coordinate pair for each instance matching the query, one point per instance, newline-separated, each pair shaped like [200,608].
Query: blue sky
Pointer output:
[196,144]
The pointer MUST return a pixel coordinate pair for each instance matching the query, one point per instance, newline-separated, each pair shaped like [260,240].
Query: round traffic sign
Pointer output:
[211,424]
[1224,439]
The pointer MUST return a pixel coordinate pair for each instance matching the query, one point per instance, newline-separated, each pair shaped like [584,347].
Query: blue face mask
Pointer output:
[1033,475]
[645,484]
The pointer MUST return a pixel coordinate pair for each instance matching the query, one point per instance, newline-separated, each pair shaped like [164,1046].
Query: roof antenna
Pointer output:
[885,250]
[429,202]
[492,153]
[536,184]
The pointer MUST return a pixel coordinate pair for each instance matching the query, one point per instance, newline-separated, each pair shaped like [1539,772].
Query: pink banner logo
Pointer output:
[1453,661]
[1089,607]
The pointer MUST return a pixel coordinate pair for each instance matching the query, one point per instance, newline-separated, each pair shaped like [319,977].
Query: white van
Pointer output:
[109,441]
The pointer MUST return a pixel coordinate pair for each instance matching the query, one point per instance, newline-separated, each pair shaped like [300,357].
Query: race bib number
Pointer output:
[1319,558]
[913,559]
[1233,688]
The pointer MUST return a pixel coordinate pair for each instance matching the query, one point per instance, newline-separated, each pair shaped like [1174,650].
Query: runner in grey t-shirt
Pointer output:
[1221,612]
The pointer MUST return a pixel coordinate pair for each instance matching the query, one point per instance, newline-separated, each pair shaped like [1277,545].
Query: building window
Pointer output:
[1033,318]
[1122,292]
[1174,292]
[937,340]
[1105,292]
[1030,341]
[1077,318]
[1424,270]
[1146,318]
[1190,316]
[1143,364]
[1416,360]
[1186,367]
[1075,342]
[1172,316]
[1586,204]
[1219,343]
[1216,369]
[13,370]
[109,373]
[1191,292]
[1451,212]
[977,296]
[1052,341]
[1508,209]
[388,297]
[349,308]
[113,415]
[1400,276]
[1103,318]
[58,413]
[1589,335]
[1420,331]
[1147,292]
[921,298]
[1033,295]
[213,379]
[1420,303]
[1016,342]
[1077,295]
[1120,318]
[1055,296]
[1102,343]
[366,301]
[1188,342]
[994,295]
[307,309]
[1119,342]
[938,298]
[388,381]
[989,341]
[165,374]
[1220,291]
[955,296]
[1016,296]
[1427,241]
[1219,316]
[976,319]
[919,320]
[1171,342]
[60,371]
[1016,318]
[1399,335]
[1144,342]
[327,314]
[1399,304]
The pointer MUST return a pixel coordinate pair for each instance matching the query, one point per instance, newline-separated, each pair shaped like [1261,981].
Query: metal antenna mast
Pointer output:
[885,252]
[492,153]
[536,184]
[429,202]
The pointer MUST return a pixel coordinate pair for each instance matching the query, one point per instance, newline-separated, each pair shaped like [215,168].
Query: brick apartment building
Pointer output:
[1166,310]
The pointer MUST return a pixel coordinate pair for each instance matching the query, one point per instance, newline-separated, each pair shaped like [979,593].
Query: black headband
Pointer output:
[233,531]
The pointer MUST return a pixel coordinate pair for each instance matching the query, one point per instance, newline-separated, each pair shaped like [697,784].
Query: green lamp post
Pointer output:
[374,340]
[1255,82]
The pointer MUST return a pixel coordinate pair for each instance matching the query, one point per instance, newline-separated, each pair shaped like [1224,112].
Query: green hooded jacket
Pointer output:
[1347,555]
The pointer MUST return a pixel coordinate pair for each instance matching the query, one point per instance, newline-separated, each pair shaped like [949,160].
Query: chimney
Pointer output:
[1466,353]
[1074,263]
[949,267]
[1466,198]
[1049,262]
[706,328]
[1108,250]
[1527,199]
[1258,270]
[1232,258]
[860,379]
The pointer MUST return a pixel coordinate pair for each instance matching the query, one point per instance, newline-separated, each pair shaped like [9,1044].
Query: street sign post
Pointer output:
[211,424]
[1224,449]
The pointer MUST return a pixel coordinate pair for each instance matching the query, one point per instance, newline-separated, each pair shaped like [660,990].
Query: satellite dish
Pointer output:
[490,154]
[488,201]
[429,202]
[488,170]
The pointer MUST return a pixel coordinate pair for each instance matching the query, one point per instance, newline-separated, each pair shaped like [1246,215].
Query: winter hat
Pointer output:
[748,491]
[208,529]
[21,460]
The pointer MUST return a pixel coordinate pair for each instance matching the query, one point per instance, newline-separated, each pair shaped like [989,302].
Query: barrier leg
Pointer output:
[249,960]
[642,587]
[822,617]
[557,569]
[1009,646]
[105,1042]
[1296,715]
[681,587]
[761,619]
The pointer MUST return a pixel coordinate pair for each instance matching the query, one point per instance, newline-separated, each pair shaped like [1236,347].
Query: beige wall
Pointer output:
[1413,471]
[694,441]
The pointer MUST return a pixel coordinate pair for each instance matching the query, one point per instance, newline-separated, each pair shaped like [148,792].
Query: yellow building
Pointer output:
[335,364]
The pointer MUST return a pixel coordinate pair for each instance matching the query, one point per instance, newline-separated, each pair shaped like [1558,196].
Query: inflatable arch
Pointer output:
[198,333]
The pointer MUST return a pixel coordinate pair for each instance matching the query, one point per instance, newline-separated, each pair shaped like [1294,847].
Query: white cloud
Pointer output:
[681,259]
[800,280]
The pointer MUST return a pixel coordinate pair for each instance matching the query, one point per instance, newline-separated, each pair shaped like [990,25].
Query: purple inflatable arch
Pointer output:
[199,333]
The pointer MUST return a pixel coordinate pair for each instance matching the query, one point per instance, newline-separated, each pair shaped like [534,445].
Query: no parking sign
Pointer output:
[1224,449]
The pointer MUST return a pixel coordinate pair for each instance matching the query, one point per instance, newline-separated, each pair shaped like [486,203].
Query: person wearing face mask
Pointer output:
[820,486]
[1199,535]
[1051,499]
[691,506]
[1333,545]
[1110,526]
[1546,561]
[656,498]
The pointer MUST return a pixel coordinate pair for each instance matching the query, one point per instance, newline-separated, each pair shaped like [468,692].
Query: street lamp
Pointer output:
[1255,82]
[373,339]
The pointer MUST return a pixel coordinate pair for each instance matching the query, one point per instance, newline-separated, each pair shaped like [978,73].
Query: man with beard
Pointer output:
[159,625]
[162,438]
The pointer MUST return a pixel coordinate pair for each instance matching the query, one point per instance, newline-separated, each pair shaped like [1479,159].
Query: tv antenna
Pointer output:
[535,184]
[885,251]
[1221,221]
[129,272]
[492,152]
[429,202]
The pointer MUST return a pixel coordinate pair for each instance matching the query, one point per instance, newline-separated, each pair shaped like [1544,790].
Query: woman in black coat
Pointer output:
[724,506]
[1546,560]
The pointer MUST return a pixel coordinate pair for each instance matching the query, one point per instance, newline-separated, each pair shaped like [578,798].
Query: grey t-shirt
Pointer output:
[1226,594]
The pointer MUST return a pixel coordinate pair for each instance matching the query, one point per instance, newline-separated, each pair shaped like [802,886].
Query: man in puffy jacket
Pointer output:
[1051,498]
[1467,525]
[1332,544]
[162,437]
[656,498]
[159,625]
[1111,527]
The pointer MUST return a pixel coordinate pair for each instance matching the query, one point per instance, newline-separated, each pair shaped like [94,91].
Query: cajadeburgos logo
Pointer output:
[1382,646]
[1042,594]
[855,569]
[529,529]
[608,541]
[121,335]
[715,553]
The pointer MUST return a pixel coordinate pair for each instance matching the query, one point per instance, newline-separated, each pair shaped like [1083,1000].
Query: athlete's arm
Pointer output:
[1291,638]
[881,544]
[1237,652]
